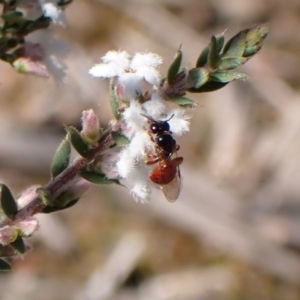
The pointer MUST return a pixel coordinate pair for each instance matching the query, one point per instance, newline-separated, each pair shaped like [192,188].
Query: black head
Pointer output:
[159,127]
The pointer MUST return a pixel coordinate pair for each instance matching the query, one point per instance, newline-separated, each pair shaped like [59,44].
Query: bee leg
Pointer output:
[151,160]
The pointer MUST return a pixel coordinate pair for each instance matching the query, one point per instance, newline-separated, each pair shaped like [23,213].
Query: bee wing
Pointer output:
[172,189]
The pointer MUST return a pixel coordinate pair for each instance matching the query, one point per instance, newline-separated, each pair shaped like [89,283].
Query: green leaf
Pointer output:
[53,208]
[183,101]
[214,55]
[236,46]
[12,16]
[77,142]
[227,76]
[120,139]
[8,202]
[97,178]
[19,245]
[219,42]
[114,101]
[209,86]
[61,158]
[197,77]
[4,265]
[203,57]
[174,68]
[255,39]
[229,63]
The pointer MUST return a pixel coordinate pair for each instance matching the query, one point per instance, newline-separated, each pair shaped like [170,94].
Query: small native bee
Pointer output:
[167,173]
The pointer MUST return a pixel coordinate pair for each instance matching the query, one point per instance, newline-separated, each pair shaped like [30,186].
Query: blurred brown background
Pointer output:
[234,233]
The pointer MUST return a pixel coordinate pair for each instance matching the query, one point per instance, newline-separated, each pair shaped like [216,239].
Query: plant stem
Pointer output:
[61,182]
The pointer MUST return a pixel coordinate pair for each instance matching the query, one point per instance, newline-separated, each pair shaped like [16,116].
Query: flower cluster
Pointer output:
[130,75]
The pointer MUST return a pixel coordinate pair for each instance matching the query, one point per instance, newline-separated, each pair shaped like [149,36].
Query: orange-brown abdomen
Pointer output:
[166,171]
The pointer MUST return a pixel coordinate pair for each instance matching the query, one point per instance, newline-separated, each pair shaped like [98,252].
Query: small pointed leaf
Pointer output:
[8,203]
[209,86]
[77,142]
[203,57]
[229,63]
[197,77]
[4,265]
[227,76]
[220,42]
[61,158]
[120,139]
[236,46]
[97,178]
[19,245]
[214,55]
[12,16]
[183,101]
[255,39]
[114,101]
[174,68]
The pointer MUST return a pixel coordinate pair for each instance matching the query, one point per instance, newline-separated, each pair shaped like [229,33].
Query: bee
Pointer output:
[167,173]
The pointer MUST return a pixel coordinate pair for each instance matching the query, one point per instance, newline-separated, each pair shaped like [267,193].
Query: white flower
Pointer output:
[121,59]
[114,64]
[125,164]
[155,108]
[145,60]
[180,122]
[140,145]
[128,164]
[130,84]
[141,191]
[140,184]
[53,12]
[130,73]
[133,118]
[151,75]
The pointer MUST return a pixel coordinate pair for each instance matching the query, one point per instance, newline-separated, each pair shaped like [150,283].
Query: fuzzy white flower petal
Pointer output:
[179,123]
[131,85]
[119,58]
[141,184]
[105,70]
[149,74]
[141,192]
[126,163]
[53,12]
[140,145]
[133,117]
[155,108]
[145,60]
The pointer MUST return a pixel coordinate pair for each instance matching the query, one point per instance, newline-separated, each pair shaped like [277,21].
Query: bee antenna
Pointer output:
[149,118]
[170,118]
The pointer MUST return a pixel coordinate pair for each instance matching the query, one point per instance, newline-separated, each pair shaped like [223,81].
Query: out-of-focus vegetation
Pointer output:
[234,232]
